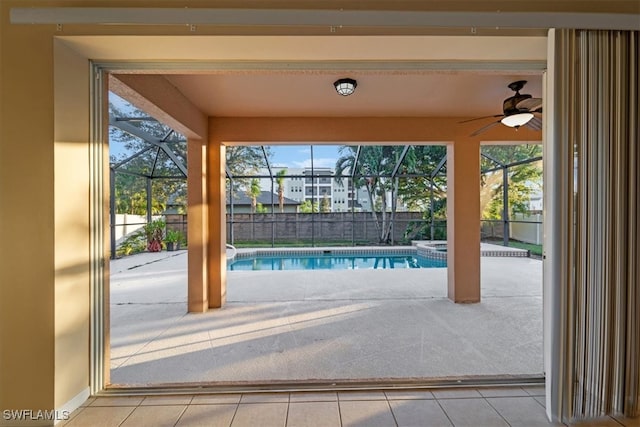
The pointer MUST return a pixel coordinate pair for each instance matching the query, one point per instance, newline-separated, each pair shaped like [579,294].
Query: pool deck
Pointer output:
[327,326]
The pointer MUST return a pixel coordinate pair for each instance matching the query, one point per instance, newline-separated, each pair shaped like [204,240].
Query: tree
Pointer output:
[261,209]
[524,179]
[253,192]
[373,171]
[415,191]
[308,207]
[427,185]
[325,204]
[244,160]
[280,181]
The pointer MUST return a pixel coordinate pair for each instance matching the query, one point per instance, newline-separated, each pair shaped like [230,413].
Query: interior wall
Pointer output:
[27,218]
[71,213]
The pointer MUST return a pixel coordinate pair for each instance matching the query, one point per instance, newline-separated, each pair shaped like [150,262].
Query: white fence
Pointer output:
[529,232]
[129,223]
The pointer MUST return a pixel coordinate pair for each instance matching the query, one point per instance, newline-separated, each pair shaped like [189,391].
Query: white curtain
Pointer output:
[595,242]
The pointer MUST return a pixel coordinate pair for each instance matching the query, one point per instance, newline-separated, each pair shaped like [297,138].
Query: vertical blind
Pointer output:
[596,121]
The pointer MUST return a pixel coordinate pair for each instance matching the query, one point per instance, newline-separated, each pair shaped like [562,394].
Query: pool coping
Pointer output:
[428,249]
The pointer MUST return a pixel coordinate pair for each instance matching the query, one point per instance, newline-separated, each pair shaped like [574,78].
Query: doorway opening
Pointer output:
[198,340]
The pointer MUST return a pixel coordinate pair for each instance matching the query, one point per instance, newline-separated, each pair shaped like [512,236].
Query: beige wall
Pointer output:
[44,263]
[27,228]
[71,214]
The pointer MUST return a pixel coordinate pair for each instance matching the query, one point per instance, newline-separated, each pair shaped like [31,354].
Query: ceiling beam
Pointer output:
[156,96]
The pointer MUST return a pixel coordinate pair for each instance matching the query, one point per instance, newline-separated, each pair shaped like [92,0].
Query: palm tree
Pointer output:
[375,165]
[254,192]
[280,181]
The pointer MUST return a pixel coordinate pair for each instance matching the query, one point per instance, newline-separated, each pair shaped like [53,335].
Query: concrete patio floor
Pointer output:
[323,325]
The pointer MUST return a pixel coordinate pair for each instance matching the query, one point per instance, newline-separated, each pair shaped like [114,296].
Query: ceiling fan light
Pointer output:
[345,87]
[517,120]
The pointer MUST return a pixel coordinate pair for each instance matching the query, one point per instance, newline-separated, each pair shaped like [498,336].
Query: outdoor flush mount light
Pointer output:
[516,120]
[345,87]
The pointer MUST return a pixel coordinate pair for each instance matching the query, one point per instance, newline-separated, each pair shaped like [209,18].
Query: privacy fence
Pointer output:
[355,228]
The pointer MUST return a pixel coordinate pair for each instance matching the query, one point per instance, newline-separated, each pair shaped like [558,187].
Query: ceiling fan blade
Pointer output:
[529,104]
[535,124]
[479,118]
[484,128]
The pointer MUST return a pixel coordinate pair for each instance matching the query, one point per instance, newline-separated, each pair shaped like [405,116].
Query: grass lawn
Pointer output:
[534,249]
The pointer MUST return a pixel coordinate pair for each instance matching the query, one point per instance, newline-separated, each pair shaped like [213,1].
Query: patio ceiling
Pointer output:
[380,93]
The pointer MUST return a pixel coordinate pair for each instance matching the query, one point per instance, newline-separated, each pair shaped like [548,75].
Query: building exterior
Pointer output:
[320,188]
[57,61]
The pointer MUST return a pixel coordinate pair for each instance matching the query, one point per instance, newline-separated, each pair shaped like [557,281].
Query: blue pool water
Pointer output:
[334,262]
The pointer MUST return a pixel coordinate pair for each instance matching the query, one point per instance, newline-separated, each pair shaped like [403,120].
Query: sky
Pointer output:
[299,156]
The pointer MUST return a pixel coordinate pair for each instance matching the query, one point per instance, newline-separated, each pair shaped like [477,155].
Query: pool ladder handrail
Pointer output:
[234,252]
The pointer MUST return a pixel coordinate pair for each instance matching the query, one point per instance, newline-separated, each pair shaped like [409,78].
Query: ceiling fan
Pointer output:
[517,110]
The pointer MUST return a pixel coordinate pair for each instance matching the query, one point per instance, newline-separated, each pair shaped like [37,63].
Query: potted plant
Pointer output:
[173,239]
[154,231]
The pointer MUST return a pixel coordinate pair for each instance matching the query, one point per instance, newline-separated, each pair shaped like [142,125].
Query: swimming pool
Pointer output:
[332,261]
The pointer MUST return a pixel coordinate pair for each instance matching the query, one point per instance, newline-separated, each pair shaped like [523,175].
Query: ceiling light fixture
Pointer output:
[517,120]
[345,87]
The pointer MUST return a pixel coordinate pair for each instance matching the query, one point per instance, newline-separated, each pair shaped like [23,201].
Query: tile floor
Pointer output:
[474,407]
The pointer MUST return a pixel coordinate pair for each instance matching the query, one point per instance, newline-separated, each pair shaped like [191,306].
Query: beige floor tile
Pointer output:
[313,414]
[361,395]
[260,414]
[72,415]
[409,395]
[520,411]
[88,402]
[166,400]
[213,399]
[423,413]
[503,392]
[117,401]
[101,416]
[627,422]
[456,393]
[218,415]
[265,398]
[471,413]
[154,416]
[373,413]
[321,396]
[534,390]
